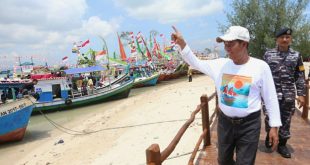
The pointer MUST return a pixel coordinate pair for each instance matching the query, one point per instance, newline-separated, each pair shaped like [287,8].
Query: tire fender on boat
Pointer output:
[68,101]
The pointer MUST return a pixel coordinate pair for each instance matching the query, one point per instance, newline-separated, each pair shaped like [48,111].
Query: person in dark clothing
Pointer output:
[3,96]
[190,74]
[29,88]
[288,73]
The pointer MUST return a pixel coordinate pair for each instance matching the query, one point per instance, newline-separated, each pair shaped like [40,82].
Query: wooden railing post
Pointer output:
[305,109]
[217,108]
[153,155]
[205,119]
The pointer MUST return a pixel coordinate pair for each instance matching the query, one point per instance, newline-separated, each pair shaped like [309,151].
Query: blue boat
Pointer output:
[143,76]
[14,113]
[146,81]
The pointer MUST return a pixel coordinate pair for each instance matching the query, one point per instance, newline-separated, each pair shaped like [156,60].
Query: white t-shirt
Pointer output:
[240,88]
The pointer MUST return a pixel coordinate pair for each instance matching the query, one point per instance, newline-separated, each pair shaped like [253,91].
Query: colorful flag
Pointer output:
[121,49]
[148,53]
[132,43]
[75,48]
[65,59]
[85,43]
[169,49]
[101,52]
[99,57]
[138,47]
[164,40]
[156,49]
[139,38]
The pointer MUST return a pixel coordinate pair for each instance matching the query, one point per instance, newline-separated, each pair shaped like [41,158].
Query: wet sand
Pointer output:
[125,128]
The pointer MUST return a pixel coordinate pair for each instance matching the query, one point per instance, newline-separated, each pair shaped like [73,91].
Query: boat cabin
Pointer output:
[12,89]
[52,89]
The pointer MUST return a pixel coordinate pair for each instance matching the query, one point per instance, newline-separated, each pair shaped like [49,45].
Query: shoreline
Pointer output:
[126,128]
[149,115]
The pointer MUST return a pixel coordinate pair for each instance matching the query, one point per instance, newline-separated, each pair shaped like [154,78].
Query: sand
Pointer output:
[153,115]
[128,127]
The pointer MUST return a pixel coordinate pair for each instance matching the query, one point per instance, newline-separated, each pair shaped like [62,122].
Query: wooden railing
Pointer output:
[305,109]
[155,157]
[153,154]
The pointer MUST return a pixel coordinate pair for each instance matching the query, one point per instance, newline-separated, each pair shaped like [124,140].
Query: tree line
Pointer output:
[264,18]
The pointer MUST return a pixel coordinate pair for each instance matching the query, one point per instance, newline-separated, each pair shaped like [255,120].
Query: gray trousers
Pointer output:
[242,137]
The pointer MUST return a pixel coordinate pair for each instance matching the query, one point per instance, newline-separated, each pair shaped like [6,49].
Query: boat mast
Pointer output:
[105,47]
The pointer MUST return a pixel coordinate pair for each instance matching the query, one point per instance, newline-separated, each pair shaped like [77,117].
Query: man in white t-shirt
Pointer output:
[241,82]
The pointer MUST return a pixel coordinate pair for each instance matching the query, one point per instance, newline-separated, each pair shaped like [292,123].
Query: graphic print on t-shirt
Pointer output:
[235,90]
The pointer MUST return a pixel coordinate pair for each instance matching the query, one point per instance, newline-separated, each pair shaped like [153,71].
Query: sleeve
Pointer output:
[269,96]
[299,76]
[208,67]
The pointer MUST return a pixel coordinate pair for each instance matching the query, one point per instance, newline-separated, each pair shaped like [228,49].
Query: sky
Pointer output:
[46,30]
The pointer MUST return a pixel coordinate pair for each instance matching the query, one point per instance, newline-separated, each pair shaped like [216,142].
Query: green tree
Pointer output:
[264,18]
[89,61]
[207,50]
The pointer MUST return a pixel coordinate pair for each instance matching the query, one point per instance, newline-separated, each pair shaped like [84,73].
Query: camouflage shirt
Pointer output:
[288,73]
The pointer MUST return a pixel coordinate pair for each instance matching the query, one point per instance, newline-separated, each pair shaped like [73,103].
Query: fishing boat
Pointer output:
[58,93]
[167,74]
[146,80]
[14,112]
[143,76]
[229,95]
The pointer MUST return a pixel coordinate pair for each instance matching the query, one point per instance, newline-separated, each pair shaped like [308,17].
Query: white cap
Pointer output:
[235,33]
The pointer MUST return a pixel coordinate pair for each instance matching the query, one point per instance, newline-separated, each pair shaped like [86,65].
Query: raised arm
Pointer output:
[177,37]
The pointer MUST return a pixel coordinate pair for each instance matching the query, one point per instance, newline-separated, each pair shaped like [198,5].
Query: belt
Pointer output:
[239,120]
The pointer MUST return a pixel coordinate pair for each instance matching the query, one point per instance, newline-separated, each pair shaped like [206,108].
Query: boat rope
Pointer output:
[84,132]
[62,128]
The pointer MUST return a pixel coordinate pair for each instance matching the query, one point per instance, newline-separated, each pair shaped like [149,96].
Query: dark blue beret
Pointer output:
[283,31]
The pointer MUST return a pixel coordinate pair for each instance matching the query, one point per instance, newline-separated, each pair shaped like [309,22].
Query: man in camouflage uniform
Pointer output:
[288,72]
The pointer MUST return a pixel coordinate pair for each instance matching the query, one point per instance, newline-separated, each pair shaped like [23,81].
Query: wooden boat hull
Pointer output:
[116,92]
[170,76]
[14,118]
[161,77]
[149,81]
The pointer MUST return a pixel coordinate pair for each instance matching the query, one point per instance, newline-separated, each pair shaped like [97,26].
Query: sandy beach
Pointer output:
[126,128]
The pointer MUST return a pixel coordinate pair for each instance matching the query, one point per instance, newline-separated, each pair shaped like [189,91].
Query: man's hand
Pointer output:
[301,101]
[274,138]
[177,37]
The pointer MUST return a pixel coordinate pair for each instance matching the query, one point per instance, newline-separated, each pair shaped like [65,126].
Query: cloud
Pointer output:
[170,11]
[39,22]
[48,27]
[203,43]
[46,15]
[95,26]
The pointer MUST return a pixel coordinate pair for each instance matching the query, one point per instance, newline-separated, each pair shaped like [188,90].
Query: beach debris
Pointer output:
[59,142]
